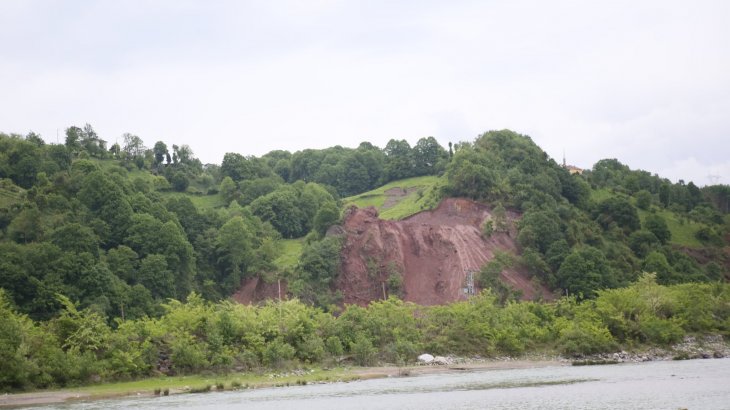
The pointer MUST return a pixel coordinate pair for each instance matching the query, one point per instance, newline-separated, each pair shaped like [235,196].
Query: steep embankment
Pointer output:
[433,252]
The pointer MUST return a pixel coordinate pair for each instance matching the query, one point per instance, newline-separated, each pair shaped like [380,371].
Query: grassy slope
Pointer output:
[201,201]
[406,205]
[8,197]
[683,230]
[291,249]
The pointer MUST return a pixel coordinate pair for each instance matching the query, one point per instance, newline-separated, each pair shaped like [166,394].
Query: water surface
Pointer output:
[694,384]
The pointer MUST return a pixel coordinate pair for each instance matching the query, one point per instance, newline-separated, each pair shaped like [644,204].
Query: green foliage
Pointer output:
[643,199]
[317,269]
[658,226]
[197,336]
[363,351]
[642,242]
[106,229]
[584,271]
[617,211]
[585,337]
[402,206]
[539,229]
[489,278]
[487,228]
[292,209]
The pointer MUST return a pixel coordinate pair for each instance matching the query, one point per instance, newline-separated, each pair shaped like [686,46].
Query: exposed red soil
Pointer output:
[433,250]
[255,290]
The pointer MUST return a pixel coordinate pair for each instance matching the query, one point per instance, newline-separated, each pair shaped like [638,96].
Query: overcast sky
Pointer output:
[647,82]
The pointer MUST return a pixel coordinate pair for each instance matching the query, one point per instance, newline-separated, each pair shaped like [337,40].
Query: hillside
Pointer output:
[399,199]
[431,257]
[123,229]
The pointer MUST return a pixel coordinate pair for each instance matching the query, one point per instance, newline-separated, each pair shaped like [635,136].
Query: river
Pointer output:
[693,384]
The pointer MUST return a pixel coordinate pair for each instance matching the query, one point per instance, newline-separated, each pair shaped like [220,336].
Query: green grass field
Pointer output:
[683,230]
[9,197]
[202,202]
[419,199]
[291,249]
[599,195]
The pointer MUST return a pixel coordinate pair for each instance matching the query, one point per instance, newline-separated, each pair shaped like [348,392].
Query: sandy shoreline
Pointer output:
[394,371]
[62,396]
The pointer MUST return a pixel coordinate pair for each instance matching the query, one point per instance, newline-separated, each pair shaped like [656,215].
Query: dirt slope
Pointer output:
[255,290]
[432,250]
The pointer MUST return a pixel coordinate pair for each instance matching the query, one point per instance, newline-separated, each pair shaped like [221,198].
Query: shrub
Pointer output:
[581,338]
[363,351]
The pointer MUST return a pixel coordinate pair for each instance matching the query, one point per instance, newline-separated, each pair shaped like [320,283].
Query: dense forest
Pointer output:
[102,242]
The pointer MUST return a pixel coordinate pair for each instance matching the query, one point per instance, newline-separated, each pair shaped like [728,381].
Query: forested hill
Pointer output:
[122,229]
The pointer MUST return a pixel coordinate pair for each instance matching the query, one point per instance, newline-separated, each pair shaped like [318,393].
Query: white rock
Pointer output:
[441,360]
[425,358]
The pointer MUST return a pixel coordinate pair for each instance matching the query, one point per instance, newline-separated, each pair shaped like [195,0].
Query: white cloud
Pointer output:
[645,83]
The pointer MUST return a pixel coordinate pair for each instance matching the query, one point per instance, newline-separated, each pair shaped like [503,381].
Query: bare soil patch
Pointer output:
[255,290]
[433,251]
[395,195]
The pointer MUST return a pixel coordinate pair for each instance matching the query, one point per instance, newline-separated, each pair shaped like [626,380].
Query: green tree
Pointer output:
[399,162]
[428,156]
[656,262]
[133,146]
[76,238]
[326,216]
[106,199]
[227,189]
[27,226]
[160,151]
[470,179]
[643,199]
[123,262]
[585,271]
[235,245]
[665,194]
[642,242]
[539,229]
[658,226]
[179,181]
[618,211]
[155,276]
[150,236]
[318,267]
[282,209]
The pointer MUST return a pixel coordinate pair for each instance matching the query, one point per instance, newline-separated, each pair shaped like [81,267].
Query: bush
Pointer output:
[581,338]
[334,346]
[277,353]
[188,355]
[179,182]
[661,331]
[363,351]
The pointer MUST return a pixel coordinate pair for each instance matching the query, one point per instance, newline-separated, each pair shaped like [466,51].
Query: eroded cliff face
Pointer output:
[433,252]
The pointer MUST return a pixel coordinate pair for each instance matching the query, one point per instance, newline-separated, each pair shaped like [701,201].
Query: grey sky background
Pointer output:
[647,82]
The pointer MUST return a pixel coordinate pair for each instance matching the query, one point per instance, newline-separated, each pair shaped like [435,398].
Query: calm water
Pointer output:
[694,384]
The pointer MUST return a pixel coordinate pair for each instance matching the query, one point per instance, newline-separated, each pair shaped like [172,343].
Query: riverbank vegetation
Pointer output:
[116,262]
[79,347]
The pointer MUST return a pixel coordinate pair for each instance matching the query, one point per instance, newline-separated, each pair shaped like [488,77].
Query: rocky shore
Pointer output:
[707,347]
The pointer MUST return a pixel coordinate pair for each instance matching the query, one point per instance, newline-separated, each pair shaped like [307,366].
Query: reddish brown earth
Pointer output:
[254,290]
[433,250]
